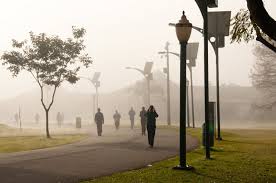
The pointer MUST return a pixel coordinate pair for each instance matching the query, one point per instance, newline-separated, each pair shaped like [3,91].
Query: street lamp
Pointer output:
[219,23]
[148,76]
[96,83]
[203,6]
[192,50]
[183,32]
[218,28]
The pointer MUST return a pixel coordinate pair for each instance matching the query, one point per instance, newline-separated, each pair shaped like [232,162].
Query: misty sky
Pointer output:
[119,33]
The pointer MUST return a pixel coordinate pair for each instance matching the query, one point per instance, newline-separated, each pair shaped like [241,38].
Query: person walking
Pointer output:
[37,117]
[117,118]
[59,119]
[151,124]
[131,114]
[99,120]
[143,120]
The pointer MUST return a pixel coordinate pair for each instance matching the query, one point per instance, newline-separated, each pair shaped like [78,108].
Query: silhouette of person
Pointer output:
[59,119]
[131,114]
[37,117]
[143,120]
[99,120]
[117,118]
[151,124]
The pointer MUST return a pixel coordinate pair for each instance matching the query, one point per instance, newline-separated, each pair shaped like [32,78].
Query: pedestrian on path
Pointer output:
[131,114]
[151,124]
[117,117]
[99,120]
[143,120]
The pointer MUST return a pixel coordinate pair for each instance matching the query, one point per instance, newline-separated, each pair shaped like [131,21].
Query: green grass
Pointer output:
[13,143]
[243,156]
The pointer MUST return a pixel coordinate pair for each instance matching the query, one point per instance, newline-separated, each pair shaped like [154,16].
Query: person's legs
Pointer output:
[142,127]
[99,128]
[150,135]
[132,124]
[153,135]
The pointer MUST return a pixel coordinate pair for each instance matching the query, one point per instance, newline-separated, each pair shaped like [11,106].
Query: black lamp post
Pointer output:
[183,32]
[203,6]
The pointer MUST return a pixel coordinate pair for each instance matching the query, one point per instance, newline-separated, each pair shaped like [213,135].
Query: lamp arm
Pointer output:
[139,70]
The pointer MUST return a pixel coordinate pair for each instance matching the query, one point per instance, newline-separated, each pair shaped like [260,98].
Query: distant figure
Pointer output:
[117,118]
[59,119]
[62,118]
[37,118]
[131,114]
[151,124]
[99,120]
[143,120]
[16,118]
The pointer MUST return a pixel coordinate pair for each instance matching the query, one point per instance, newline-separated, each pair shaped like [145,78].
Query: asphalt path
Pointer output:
[95,156]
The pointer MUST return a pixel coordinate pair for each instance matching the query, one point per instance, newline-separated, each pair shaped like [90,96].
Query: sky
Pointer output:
[120,33]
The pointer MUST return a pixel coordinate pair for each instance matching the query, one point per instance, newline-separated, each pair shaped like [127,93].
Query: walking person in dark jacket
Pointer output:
[99,120]
[131,114]
[151,124]
[143,120]
[117,118]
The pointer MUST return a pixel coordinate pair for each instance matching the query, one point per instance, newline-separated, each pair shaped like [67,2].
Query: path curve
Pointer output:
[116,151]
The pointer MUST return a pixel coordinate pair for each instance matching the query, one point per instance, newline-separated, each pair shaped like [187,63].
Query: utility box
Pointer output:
[78,122]
[212,110]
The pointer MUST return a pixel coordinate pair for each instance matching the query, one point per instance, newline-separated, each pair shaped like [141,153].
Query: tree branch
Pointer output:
[260,16]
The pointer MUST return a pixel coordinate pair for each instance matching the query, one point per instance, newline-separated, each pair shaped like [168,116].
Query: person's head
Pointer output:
[99,110]
[143,108]
[116,111]
[131,108]
[151,108]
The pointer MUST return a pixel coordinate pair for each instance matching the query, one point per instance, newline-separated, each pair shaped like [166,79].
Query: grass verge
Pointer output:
[243,156]
[13,143]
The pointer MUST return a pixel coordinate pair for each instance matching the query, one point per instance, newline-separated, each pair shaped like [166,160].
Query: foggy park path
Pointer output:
[115,151]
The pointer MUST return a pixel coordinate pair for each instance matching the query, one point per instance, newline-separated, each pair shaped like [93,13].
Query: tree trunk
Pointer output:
[47,124]
[260,16]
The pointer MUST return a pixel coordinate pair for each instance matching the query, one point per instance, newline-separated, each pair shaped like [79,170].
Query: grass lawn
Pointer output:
[24,143]
[243,156]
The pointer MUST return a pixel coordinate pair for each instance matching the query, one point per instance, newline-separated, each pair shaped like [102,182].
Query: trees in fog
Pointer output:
[254,23]
[50,60]
[263,75]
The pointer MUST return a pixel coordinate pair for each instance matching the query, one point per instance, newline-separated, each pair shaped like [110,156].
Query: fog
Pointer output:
[120,34]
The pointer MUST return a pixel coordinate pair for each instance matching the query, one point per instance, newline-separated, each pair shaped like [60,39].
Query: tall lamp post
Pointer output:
[192,49]
[148,76]
[96,83]
[203,6]
[219,23]
[183,31]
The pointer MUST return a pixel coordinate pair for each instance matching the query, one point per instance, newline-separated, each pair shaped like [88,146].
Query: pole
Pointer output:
[97,98]
[183,104]
[19,115]
[217,84]
[168,87]
[192,95]
[93,107]
[206,83]
[148,86]
[188,106]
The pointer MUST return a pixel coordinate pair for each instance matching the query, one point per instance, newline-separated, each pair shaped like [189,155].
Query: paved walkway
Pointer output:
[96,156]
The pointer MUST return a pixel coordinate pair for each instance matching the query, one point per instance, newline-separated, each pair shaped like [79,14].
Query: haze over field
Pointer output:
[119,34]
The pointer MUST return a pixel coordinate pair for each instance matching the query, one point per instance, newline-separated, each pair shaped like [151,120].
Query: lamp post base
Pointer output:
[219,138]
[187,167]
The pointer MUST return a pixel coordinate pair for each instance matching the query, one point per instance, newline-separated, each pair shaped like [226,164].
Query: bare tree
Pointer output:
[263,76]
[50,60]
